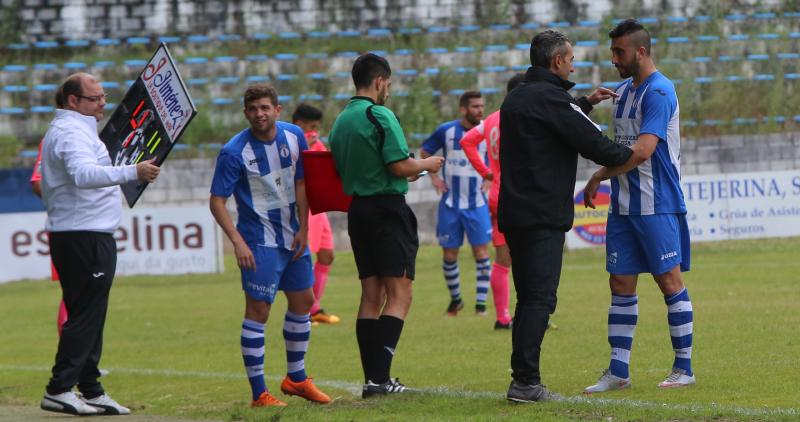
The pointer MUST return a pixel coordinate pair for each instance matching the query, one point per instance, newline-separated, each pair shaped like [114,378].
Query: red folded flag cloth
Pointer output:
[323,184]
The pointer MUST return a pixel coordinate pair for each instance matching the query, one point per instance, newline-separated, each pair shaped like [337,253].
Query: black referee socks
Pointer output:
[389,331]
[367,334]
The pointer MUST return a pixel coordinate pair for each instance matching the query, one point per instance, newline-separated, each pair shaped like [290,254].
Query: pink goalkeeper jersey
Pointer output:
[488,129]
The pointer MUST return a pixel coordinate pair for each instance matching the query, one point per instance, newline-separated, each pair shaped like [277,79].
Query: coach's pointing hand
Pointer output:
[147,171]
[601,94]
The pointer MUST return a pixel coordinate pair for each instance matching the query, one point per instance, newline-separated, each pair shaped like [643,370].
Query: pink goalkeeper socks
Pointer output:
[499,283]
[320,279]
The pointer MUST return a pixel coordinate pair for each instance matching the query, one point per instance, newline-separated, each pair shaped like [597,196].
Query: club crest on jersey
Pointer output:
[284,151]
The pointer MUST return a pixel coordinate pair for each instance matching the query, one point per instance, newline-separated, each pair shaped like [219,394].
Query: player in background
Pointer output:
[262,168]
[647,230]
[36,186]
[462,207]
[320,235]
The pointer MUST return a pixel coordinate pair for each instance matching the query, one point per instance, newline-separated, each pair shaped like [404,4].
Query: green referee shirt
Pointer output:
[364,140]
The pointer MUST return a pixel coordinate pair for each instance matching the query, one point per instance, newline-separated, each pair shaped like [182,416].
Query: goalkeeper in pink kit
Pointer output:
[320,235]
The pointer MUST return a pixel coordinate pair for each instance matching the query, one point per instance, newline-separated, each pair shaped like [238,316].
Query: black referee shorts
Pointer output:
[383,235]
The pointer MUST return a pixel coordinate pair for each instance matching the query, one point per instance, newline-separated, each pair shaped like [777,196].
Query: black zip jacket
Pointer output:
[543,130]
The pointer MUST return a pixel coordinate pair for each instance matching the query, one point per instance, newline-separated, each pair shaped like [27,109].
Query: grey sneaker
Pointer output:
[69,403]
[677,378]
[106,405]
[524,393]
[608,382]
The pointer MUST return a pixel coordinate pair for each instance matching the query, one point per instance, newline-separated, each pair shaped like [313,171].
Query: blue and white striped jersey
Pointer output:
[261,176]
[463,182]
[654,187]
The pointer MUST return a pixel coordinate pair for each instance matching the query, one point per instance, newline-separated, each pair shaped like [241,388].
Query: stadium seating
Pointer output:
[314,66]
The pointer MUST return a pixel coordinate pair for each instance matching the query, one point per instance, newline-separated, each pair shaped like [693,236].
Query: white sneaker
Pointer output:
[677,378]
[608,382]
[107,405]
[67,403]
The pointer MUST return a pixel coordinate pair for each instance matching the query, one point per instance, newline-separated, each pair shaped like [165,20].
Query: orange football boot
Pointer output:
[305,389]
[266,400]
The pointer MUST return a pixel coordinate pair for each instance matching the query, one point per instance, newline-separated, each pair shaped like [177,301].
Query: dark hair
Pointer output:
[306,113]
[638,33]
[463,100]
[514,81]
[367,67]
[259,91]
[546,45]
[70,86]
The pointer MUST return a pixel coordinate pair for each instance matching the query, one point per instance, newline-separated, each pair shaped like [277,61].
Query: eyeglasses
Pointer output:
[94,98]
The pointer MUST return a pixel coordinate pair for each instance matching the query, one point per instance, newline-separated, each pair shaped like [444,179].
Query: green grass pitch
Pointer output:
[172,346]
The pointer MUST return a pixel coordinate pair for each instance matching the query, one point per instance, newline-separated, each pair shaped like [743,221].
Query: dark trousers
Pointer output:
[86,262]
[537,256]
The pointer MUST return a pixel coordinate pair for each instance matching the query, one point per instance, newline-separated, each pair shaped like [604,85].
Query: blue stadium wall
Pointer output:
[15,191]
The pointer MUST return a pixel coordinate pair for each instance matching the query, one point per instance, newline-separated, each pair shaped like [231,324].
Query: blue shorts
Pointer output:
[653,244]
[453,222]
[275,271]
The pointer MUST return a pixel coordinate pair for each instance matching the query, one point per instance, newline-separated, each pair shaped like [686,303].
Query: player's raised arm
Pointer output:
[642,150]
[469,143]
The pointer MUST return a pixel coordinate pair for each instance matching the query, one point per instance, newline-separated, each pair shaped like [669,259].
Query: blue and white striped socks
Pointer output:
[452,277]
[252,342]
[296,333]
[679,316]
[622,317]
[483,269]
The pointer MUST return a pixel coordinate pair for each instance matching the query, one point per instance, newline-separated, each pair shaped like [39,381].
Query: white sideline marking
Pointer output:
[355,389]
[601,265]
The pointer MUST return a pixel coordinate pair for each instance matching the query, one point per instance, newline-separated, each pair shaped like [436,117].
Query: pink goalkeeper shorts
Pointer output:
[320,235]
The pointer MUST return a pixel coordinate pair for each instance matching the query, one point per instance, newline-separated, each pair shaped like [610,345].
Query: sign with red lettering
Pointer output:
[150,118]
[168,240]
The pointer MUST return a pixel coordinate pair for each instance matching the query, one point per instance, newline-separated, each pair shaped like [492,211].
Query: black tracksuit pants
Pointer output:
[537,256]
[86,262]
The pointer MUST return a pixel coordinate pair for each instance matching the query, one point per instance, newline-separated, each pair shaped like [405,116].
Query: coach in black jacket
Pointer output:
[543,130]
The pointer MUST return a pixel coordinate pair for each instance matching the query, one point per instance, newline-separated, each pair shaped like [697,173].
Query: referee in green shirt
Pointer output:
[372,158]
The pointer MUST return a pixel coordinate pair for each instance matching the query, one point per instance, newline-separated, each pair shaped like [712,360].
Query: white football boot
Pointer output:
[677,378]
[608,382]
